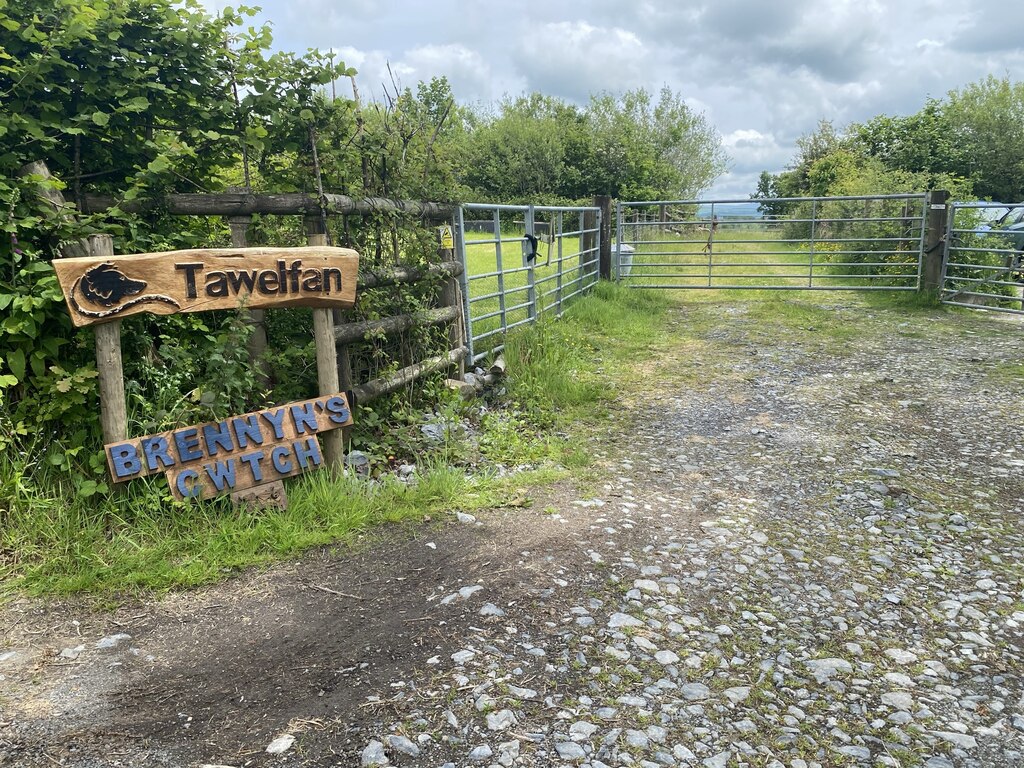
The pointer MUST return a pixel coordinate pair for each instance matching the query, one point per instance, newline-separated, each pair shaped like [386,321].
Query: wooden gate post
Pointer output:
[934,240]
[326,354]
[113,409]
[450,295]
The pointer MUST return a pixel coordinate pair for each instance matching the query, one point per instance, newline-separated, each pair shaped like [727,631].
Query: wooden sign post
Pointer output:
[102,288]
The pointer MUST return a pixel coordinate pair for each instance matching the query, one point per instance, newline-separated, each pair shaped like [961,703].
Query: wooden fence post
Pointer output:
[604,202]
[326,354]
[113,409]
[451,296]
[257,345]
[934,240]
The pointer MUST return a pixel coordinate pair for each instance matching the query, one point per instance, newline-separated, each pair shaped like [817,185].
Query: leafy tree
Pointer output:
[987,127]
[626,146]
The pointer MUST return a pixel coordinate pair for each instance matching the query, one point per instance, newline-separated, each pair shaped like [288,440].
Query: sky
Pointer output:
[764,73]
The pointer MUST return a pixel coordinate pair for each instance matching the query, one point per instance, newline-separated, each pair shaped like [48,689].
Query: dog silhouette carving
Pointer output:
[106,286]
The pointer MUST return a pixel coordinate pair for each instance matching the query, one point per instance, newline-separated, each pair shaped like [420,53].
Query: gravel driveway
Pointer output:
[804,549]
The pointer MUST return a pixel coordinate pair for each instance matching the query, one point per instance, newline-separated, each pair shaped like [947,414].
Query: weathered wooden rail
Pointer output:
[335,331]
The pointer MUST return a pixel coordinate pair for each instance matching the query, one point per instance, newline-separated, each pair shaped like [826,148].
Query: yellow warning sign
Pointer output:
[447,239]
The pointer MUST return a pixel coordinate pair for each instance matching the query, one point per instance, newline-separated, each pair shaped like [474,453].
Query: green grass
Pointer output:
[482,263]
[748,257]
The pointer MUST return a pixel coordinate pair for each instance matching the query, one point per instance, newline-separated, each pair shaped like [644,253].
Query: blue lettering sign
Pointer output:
[276,420]
[217,436]
[187,442]
[124,458]
[157,450]
[187,491]
[222,473]
[279,458]
[307,449]
[304,417]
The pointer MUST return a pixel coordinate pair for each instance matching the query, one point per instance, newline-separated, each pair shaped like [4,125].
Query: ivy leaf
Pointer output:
[306,114]
[100,118]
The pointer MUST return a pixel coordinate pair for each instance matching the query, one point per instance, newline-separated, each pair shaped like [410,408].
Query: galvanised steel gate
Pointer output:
[801,243]
[983,263]
[522,261]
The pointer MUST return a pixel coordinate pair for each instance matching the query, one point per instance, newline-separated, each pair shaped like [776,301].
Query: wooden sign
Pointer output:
[101,289]
[234,454]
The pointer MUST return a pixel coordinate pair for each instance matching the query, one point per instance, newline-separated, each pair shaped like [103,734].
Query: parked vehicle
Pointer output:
[1011,223]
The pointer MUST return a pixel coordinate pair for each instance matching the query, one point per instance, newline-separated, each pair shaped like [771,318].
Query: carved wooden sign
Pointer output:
[234,454]
[101,289]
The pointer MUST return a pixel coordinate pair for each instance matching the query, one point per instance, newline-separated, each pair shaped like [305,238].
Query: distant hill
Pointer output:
[742,210]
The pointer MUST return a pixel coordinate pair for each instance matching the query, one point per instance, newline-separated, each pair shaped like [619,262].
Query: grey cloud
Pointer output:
[771,68]
[989,34]
[575,59]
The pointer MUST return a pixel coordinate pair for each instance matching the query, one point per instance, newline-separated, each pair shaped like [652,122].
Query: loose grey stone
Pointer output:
[898,700]
[404,745]
[481,753]
[281,744]
[738,694]
[522,693]
[570,750]
[721,760]
[900,656]
[620,620]
[637,739]
[581,730]
[112,641]
[962,740]
[860,753]
[373,755]
[72,653]
[501,720]
[695,691]
[490,609]
[825,669]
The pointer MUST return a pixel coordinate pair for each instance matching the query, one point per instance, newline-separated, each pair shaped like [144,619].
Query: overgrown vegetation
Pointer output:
[562,373]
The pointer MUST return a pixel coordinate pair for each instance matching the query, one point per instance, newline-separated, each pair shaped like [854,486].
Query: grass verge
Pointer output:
[561,373]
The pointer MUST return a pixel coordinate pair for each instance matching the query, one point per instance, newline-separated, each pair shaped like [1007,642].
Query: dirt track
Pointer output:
[804,552]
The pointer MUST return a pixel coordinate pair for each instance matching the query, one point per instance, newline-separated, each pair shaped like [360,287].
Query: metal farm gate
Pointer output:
[983,263]
[520,262]
[803,243]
